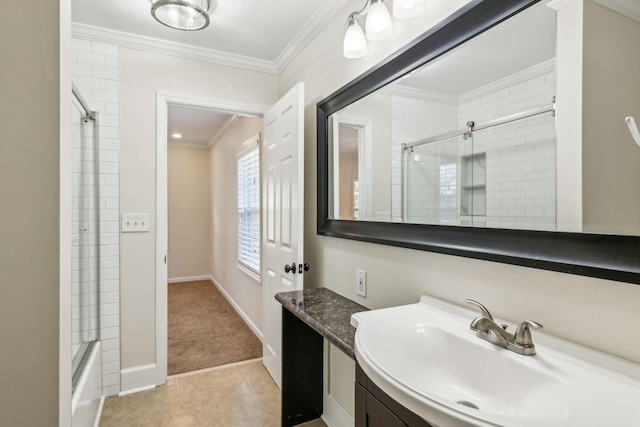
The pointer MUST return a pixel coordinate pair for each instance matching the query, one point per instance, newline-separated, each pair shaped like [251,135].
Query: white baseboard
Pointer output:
[138,378]
[334,415]
[237,308]
[188,279]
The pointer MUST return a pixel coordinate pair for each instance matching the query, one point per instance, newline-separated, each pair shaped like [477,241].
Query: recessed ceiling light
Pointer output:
[176,135]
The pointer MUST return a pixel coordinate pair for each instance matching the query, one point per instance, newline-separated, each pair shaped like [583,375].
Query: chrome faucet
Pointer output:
[487,329]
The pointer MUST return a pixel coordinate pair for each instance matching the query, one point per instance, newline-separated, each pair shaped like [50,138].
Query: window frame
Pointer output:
[249,147]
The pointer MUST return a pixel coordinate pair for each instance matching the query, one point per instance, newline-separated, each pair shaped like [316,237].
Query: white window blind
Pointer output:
[249,206]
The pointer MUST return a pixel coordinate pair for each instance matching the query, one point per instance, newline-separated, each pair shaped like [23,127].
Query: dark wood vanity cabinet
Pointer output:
[375,408]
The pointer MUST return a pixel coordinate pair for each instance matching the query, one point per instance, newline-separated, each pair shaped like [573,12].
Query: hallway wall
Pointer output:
[189,204]
[240,286]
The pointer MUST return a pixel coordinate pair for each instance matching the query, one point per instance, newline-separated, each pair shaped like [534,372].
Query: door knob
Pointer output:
[290,268]
[303,267]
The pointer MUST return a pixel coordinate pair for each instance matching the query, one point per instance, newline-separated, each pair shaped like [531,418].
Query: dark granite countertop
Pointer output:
[326,312]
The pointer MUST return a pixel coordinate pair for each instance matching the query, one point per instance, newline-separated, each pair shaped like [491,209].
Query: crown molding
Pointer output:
[424,95]
[149,44]
[443,98]
[308,32]
[222,130]
[188,144]
[526,74]
[630,8]
[559,4]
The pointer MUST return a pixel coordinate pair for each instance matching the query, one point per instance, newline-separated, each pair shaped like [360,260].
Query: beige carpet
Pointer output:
[204,330]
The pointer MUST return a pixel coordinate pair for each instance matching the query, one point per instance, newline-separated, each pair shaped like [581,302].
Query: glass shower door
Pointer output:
[85,238]
[432,182]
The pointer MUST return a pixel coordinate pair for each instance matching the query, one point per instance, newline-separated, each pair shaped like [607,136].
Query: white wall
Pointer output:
[569,46]
[142,75]
[95,74]
[189,188]
[565,304]
[240,286]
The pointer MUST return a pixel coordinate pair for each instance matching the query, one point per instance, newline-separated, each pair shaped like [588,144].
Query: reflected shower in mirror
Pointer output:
[460,141]
[475,138]
[497,135]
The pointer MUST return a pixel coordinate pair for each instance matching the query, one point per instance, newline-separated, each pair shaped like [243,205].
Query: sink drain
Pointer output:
[468,404]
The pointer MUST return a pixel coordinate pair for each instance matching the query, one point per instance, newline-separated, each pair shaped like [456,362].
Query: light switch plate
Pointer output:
[135,223]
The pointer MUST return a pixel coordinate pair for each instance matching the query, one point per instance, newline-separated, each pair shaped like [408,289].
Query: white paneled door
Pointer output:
[282,216]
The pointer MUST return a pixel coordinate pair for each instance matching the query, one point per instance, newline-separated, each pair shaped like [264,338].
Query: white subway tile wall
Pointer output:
[95,73]
[514,183]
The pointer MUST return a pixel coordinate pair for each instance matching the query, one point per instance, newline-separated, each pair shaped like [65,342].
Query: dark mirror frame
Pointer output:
[609,257]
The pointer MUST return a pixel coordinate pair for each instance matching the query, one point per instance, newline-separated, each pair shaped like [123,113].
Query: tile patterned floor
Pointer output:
[239,395]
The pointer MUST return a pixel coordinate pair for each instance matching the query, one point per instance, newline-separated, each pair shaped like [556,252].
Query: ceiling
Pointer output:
[523,41]
[253,34]
[267,35]
[199,127]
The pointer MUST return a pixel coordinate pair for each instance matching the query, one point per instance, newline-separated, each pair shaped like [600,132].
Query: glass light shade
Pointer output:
[355,43]
[187,15]
[407,9]
[378,25]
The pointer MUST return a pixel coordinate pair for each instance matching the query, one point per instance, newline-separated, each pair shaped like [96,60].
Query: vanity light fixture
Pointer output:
[186,15]
[176,135]
[355,42]
[378,24]
[407,9]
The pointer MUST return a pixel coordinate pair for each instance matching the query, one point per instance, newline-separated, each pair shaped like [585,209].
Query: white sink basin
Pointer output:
[425,356]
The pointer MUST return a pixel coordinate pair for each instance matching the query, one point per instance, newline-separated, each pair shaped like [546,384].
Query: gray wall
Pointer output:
[30,117]
[611,92]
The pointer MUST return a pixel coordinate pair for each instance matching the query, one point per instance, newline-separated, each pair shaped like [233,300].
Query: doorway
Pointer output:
[218,273]
[204,330]
[282,169]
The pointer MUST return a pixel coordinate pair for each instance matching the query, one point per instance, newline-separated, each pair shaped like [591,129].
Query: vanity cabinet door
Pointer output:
[375,408]
[370,412]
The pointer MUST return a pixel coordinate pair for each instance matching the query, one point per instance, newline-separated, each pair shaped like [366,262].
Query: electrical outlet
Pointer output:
[361,283]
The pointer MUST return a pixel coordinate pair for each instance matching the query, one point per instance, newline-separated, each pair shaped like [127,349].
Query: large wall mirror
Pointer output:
[498,135]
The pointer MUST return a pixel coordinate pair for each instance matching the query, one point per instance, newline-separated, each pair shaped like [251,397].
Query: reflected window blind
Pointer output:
[448,193]
[249,208]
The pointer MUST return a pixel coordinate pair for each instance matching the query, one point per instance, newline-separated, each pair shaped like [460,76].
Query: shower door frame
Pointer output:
[86,347]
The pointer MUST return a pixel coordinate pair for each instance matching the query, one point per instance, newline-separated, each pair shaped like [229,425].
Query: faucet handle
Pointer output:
[522,336]
[482,308]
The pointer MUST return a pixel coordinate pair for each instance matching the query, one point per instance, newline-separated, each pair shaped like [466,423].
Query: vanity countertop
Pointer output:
[326,312]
